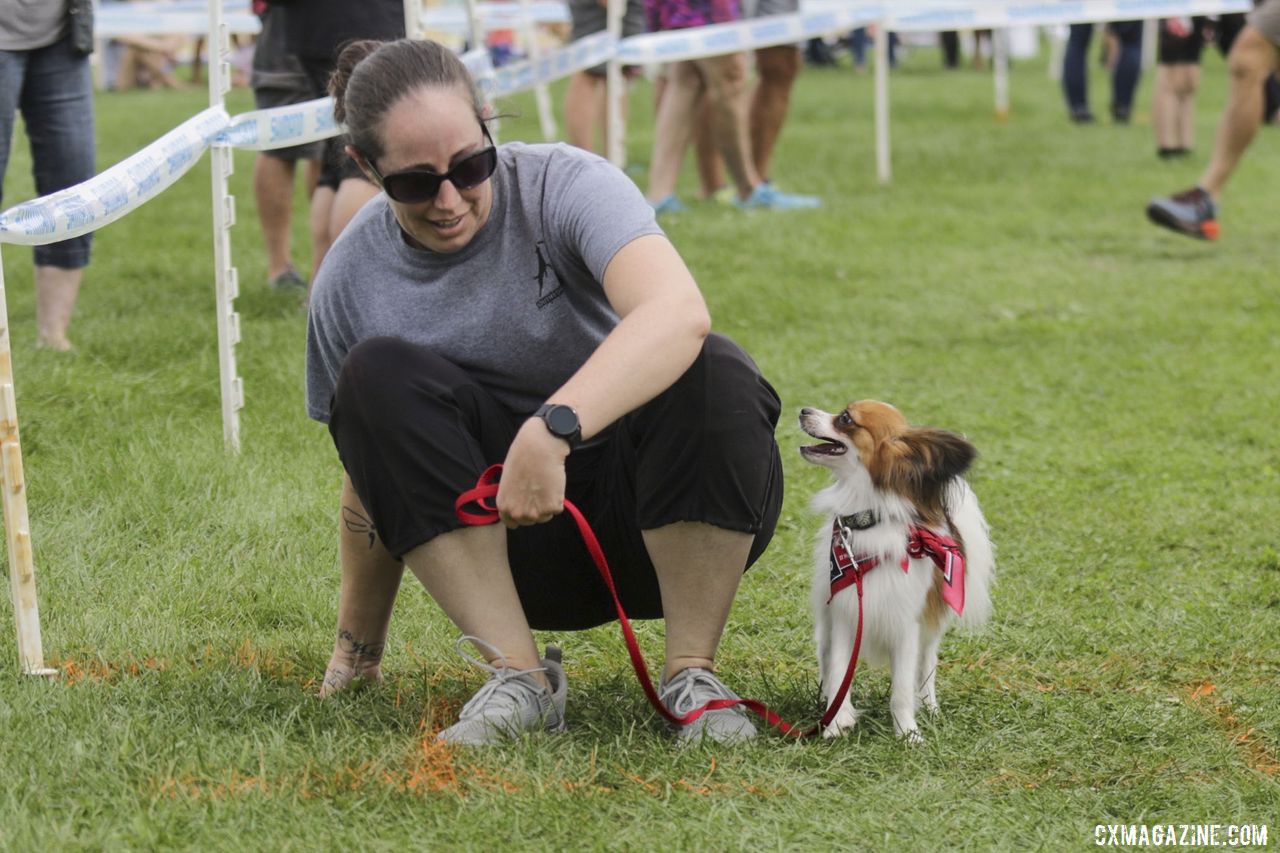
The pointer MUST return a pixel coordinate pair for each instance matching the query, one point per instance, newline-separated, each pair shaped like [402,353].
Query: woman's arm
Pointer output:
[664,322]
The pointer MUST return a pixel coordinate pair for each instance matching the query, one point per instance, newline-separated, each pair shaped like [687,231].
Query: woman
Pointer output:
[519,304]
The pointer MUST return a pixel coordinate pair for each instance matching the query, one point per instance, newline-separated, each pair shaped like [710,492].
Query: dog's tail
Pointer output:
[980,561]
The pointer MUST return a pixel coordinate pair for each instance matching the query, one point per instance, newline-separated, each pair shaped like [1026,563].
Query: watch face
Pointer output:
[562,420]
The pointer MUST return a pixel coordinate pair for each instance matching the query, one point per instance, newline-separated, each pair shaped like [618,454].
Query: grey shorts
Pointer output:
[589,18]
[1265,18]
[264,98]
[761,8]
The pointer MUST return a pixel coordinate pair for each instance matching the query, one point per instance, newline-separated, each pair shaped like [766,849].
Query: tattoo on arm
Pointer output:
[364,652]
[359,523]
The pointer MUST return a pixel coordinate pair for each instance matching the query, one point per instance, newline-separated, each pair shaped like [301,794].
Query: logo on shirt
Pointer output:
[549,287]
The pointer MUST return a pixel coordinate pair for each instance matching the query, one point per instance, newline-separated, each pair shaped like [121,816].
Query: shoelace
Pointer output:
[500,677]
[686,700]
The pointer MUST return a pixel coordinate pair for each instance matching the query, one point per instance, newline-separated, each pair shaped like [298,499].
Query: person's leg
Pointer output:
[1128,68]
[353,193]
[57,108]
[318,222]
[1252,58]
[273,179]
[673,128]
[1164,109]
[949,40]
[1186,84]
[710,168]
[583,108]
[1075,71]
[726,79]
[776,70]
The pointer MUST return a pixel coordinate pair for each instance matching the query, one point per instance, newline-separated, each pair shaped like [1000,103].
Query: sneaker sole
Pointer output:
[1207,230]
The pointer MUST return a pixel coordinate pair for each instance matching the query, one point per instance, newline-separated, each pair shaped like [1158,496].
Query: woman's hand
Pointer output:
[532,487]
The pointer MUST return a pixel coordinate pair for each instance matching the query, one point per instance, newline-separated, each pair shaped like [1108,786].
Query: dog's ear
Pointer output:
[928,460]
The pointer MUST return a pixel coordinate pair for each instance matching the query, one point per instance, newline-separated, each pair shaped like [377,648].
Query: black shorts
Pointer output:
[414,431]
[335,165]
[1181,50]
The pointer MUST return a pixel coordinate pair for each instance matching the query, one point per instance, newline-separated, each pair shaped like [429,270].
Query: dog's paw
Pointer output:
[931,706]
[843,722]
[911,737]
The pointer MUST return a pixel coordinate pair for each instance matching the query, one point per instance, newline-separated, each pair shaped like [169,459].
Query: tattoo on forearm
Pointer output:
[364,652]
[359,523]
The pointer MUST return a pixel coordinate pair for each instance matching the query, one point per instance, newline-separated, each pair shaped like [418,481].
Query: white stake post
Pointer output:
[614,91]
[412,19]
[541,94]
[883,170]
[224,216]
[1000,72]
[17,527]
[479,41]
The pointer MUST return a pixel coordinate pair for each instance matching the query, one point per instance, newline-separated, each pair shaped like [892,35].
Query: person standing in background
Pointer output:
[44,74]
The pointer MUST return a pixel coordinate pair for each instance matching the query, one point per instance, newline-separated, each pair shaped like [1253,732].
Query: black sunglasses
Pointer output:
[414,186]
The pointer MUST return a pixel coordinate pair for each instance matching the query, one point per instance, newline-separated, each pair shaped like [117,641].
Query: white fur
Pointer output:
[895,633]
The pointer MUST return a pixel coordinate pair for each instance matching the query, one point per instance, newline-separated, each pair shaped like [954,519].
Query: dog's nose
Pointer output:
[805,412]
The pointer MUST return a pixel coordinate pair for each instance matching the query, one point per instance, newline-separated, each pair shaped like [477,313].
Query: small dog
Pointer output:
[899,502]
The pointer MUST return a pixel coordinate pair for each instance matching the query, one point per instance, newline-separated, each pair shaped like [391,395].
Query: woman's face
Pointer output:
[434,128]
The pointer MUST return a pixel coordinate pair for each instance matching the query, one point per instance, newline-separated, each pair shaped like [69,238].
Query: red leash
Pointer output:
[482,495]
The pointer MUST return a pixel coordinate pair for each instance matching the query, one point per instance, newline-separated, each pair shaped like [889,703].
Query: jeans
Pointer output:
[1125,78]
[53,89]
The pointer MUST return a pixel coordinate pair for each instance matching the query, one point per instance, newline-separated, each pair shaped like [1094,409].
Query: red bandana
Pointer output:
[847,569]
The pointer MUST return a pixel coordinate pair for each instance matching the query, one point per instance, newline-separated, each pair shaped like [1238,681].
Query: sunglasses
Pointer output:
[414,186]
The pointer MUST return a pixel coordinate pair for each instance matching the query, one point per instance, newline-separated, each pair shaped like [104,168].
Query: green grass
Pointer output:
[1119,381]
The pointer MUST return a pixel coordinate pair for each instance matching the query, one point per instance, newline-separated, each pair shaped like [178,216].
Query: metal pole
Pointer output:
[224,216]
[883,169]
[17,527]
[412,19]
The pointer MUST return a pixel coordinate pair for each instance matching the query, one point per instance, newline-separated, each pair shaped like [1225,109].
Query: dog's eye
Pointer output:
[845,419]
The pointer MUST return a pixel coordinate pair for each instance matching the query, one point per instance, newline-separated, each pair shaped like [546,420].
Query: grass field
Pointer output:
[1119,381]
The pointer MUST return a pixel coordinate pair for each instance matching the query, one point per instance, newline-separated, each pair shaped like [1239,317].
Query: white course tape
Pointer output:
[280,127]
[918,17]
[493,16]
[577,56]
[106,197]
[716,39]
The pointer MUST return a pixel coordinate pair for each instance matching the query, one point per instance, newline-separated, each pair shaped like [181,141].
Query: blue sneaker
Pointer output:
[670,204]
[1191,212]
[767,197]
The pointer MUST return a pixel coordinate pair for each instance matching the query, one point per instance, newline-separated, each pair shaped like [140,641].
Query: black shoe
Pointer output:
[1081,115]
[1120,115]
[1191,212]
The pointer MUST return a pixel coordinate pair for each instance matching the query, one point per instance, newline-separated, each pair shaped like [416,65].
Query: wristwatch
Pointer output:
[562,422]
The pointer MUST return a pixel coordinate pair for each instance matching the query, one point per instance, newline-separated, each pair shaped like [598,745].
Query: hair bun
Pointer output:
[348,58]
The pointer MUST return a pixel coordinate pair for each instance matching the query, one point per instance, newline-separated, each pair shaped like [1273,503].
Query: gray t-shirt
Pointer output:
[520,307]
[31,24]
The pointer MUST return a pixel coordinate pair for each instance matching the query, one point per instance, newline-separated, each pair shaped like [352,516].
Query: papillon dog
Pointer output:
[903,530]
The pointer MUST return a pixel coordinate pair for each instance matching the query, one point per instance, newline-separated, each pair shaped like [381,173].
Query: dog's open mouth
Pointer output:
[829,448]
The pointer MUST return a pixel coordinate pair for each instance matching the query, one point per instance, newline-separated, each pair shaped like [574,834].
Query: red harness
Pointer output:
[847,569]
[482,496]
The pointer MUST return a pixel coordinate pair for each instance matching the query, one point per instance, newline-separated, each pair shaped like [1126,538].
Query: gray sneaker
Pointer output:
[511,702]
[694,687]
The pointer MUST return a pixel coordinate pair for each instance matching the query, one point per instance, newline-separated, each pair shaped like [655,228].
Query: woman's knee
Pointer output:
[1252,57]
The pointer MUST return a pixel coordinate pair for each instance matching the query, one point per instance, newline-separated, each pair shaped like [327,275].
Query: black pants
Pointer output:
[414,431]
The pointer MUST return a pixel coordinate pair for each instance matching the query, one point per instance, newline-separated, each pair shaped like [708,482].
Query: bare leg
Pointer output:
[1252,58]
[699,568]
[710,170]
[321,208]
[56,291]
[1187,84]
[353,194]
[725,78]
[583,108]
[777,69]
[467,573]
[273,190]
[1164,108]
[673,128]
[370,581]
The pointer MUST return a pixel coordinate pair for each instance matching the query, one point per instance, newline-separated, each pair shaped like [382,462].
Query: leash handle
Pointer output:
[483,495]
